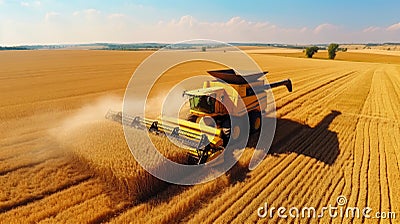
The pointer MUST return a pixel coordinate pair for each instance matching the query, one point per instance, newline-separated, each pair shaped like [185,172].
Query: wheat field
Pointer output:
[338,134]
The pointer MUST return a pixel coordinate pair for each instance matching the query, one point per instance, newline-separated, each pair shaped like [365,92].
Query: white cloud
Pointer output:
[50,15]
[394,27]
[186,21]
[91,12]
[324,27]
[24,4]
[235,24]
[233,29]
[371,29]
[303,30]
[91,25]
[30,3]
[116,16]
[87,12]
[235,21]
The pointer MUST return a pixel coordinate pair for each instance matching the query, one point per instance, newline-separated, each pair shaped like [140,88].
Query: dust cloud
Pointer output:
[165,103]
[92,113]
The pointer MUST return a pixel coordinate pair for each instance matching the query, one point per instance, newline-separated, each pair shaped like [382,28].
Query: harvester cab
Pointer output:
[203,101]
[208,128]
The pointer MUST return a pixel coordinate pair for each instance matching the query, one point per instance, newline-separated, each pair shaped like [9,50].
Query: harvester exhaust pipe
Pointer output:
[287,83]
[258,89]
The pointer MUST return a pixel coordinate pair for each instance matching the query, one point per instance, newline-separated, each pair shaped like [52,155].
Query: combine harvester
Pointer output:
[208,128]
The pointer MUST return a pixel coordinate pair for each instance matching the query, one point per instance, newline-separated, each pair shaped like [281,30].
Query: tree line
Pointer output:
[12,48]
[332,49]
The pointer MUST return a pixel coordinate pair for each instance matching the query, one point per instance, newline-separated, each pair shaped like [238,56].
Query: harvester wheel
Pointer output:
[255,121]
[207,121]
[235,132]
[240,131]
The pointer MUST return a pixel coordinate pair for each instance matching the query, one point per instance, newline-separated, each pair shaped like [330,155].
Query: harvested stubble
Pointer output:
[184,202]
[102,146]
[356,155]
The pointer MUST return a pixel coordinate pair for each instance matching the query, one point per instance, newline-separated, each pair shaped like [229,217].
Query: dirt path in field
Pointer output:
[338,134]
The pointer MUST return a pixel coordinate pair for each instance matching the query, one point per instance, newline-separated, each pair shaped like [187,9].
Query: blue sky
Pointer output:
[295,22]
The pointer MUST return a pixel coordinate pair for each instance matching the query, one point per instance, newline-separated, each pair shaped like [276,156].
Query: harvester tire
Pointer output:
[235,132]
[255,121]
[238,134]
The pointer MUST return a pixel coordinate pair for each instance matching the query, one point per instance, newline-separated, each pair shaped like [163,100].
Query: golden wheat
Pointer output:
[316,155]
[102,145]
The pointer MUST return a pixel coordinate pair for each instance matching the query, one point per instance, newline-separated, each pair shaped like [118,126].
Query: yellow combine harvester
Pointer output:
[208,128]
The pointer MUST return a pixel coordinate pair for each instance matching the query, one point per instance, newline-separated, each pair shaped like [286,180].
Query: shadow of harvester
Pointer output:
[316,142]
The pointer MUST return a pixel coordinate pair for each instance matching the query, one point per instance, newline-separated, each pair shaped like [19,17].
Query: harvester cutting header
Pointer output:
[209,126]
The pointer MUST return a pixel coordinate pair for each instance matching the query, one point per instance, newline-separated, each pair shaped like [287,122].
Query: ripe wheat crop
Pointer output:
[338,133]
[102,145]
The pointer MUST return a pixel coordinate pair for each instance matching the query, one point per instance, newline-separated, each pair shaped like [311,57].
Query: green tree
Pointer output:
[332,49]
[310,51]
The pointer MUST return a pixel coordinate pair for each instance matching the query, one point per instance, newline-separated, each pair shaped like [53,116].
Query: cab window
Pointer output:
[204,104]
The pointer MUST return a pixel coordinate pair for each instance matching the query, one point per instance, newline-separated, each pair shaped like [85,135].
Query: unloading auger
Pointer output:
[208,128]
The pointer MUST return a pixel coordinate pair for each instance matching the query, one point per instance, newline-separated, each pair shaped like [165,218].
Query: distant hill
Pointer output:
[156,46]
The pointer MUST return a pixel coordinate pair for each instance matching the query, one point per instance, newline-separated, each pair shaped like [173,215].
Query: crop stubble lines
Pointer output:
[218,206]
[366,169]
[371,150]
[347,132]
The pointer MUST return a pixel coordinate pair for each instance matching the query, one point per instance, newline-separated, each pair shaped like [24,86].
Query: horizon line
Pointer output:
[172,43]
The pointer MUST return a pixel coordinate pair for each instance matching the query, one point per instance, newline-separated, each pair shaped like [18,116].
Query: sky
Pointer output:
[24,22]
